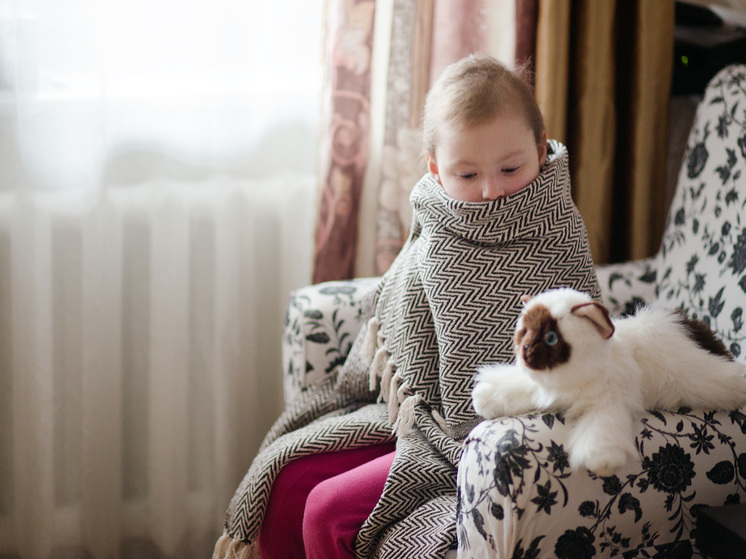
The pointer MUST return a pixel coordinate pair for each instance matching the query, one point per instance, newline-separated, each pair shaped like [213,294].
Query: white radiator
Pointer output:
[140,359]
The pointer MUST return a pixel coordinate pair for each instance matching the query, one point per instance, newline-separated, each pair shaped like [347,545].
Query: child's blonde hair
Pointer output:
[474,90]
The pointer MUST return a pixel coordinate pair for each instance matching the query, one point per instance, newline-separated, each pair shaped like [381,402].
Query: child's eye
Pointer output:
[510,170]
[467,176]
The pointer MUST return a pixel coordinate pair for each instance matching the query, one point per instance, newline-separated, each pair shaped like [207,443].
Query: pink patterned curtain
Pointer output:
[371,148]
[344,143]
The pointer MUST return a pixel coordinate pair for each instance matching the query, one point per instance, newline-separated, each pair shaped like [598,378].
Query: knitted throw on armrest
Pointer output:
[447,305]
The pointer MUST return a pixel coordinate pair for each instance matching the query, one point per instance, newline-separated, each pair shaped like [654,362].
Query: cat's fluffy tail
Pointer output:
[679,370]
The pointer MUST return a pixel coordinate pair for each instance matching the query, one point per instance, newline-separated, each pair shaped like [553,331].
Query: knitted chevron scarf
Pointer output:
[447,305]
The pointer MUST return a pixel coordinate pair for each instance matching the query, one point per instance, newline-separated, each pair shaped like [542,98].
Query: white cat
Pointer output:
[603,373]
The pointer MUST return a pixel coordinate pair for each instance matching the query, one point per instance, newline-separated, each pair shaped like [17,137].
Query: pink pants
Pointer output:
[318,503]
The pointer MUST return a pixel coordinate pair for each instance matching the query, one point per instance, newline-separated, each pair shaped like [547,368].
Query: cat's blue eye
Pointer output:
[551,338]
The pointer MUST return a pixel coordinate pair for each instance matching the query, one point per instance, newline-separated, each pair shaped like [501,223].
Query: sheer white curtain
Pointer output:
[157,176]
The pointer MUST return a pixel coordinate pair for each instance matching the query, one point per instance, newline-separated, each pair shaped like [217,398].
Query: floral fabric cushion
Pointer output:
[627,285]
[518,497]
[321,324]
[702,260]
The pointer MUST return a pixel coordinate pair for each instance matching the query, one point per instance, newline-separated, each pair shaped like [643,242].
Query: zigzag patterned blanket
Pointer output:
[447,305]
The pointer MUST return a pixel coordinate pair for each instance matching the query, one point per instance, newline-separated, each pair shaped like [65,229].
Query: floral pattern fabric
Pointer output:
[626,286]
[321,324]
[518,497]
[702,260]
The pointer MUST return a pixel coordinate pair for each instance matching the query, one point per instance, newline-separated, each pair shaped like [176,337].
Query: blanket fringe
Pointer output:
[403,392]
[371,338]
[228,548]
[388,371]
[392,400]
[376,368]
[405,419]
[440,420]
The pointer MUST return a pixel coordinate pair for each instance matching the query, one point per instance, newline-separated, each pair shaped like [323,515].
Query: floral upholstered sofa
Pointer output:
[518,496]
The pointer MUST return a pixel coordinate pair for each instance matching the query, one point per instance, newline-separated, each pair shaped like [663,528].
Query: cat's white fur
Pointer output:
[647,362]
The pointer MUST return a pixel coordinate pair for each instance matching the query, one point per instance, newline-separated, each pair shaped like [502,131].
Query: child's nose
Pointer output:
[492,188]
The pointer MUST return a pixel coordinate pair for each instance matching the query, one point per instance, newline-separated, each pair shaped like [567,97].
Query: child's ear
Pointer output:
[432,166]
[542,147]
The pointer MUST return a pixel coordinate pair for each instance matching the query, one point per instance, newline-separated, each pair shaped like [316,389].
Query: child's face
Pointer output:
[488,161]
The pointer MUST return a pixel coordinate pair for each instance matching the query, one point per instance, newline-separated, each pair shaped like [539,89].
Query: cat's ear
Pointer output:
[598,315]
[525,299]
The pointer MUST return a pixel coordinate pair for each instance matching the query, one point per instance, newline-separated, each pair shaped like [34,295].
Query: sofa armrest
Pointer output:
[627,285]
[518,496]
[321,323]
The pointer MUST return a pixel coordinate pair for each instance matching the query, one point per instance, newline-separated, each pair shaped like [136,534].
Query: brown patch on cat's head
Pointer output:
[539,342]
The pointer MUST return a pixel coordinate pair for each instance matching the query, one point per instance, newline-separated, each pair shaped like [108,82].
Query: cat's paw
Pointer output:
[488,401]
[607,464]
[602,459]
[502,390]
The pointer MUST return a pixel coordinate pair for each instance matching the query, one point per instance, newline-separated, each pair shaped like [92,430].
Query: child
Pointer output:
[476,105]
[493,220]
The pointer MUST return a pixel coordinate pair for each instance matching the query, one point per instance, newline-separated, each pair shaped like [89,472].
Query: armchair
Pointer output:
[518,496]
